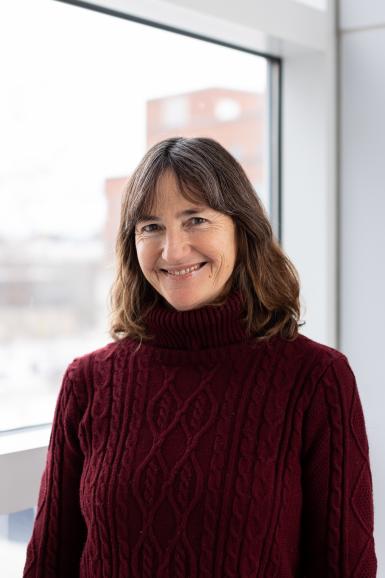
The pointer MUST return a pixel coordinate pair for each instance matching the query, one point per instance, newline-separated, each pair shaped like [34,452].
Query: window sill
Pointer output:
[24,439]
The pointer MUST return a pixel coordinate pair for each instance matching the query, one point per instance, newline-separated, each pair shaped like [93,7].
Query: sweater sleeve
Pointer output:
[337,516]
[59,531]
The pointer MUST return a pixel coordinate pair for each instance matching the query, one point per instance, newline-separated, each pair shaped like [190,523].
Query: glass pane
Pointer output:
[85,95]
[15,531]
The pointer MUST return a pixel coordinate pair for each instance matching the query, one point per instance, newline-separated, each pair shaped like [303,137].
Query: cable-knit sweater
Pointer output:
[205,455]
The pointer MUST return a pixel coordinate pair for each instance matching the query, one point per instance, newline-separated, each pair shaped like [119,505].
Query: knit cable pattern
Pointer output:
[203,455]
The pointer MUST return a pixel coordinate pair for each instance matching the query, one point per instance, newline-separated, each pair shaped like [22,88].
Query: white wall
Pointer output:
[362,101]
[304,195]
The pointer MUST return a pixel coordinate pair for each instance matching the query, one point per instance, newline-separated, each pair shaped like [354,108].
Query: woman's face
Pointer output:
[178,235]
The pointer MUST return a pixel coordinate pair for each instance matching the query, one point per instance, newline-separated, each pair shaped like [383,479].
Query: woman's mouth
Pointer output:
[184,273]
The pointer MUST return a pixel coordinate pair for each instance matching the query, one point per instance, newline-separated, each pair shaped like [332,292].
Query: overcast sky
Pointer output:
[72,106]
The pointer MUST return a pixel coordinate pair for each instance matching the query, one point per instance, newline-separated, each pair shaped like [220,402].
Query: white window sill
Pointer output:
[24,439]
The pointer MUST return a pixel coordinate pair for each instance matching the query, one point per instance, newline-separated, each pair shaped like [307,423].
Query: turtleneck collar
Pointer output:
[195,329]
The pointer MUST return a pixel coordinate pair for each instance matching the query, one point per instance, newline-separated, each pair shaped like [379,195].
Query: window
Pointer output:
[86,94]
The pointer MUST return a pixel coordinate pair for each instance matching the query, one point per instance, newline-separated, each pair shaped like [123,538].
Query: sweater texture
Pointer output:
[206,455]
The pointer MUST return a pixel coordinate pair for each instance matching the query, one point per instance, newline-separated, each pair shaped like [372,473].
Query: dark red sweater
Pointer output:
[203,456]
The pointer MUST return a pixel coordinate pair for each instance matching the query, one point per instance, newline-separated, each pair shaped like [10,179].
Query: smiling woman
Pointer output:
[188,261]
[230,235]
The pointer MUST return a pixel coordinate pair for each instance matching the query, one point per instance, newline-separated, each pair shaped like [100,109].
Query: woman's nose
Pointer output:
[175,246]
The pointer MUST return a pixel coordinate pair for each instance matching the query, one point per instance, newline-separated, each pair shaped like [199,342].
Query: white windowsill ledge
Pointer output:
[24,439]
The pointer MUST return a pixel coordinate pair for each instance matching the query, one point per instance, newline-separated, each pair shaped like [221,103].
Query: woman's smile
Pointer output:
[185,273]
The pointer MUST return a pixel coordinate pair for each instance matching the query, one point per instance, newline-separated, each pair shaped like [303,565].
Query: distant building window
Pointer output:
[175,112]
[227,109]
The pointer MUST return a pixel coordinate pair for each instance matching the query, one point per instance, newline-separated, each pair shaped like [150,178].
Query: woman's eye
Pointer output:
[198,219]
[145,228]
[149,229]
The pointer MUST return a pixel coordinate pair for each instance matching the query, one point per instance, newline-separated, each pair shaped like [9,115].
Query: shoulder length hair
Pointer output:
[206,171]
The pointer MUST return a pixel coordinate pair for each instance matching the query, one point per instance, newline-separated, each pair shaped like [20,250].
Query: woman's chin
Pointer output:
[183,302]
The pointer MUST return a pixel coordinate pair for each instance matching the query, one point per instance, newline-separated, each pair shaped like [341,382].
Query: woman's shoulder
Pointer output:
[312,356]
[91,366]
[311,347]
[324,369]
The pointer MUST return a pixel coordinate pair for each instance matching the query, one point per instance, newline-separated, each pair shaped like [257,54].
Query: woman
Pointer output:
[210,438]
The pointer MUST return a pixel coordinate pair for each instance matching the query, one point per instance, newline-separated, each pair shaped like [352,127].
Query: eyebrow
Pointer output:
[185,213]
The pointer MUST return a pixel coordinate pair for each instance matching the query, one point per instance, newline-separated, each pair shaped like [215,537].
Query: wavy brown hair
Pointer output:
[205,171]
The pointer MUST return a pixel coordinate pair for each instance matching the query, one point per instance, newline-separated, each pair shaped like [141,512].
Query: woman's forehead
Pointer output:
[168,188]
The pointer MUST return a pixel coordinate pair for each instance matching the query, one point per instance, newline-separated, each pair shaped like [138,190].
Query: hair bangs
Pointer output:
[148,194]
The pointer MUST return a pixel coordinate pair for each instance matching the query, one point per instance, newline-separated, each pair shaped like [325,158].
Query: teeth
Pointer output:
[184,271]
